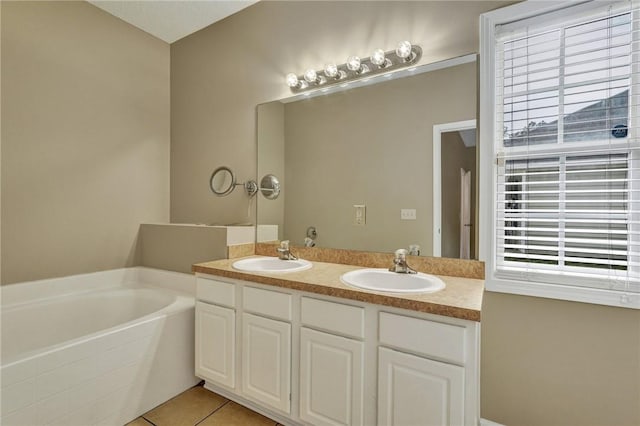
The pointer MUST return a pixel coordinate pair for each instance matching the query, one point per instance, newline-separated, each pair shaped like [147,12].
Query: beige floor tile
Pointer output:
[138,422]
[186,409]
[234,414]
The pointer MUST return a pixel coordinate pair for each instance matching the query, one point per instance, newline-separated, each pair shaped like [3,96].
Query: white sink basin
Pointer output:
[271,264]
[392,282]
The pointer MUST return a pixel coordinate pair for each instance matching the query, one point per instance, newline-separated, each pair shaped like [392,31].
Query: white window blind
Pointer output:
[568,174]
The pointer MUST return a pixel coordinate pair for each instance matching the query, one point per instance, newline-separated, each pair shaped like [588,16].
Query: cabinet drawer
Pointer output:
[443,341]
[266,302]
[334,317]
[217,292]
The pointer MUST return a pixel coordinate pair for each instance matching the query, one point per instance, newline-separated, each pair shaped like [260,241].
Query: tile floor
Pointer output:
[198,406]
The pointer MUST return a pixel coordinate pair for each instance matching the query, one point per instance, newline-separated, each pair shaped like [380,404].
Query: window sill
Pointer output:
[564,292]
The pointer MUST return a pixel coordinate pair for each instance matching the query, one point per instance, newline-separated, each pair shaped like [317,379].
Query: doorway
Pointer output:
[454,182]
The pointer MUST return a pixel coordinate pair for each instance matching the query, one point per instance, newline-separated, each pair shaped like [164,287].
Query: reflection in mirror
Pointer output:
[222,181]
[458,176]
[358,166]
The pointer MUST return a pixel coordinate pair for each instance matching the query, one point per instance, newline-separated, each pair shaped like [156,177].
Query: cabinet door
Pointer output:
[331,374]
[418,391]
[266,361]
[215,344]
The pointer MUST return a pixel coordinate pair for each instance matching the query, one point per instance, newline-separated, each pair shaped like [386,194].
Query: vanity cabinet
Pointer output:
[331,363]
[308,359]
[331,373]
[215,344]
[426,385]
[266,361]
[418,391]
[216,332]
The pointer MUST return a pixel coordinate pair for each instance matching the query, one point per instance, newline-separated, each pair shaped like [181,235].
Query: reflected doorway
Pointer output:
[454,195]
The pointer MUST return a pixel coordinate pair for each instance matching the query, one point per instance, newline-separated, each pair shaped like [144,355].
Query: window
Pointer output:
[566,151]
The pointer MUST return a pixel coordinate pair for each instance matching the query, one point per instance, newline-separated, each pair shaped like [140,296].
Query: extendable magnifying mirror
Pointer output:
[223,182]
[270,187]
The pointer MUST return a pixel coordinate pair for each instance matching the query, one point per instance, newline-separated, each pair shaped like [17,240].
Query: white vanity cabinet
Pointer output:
[215,330]
[331,363]
[418,391]
[266,347]
[308,359]
[427,385]
[215,343]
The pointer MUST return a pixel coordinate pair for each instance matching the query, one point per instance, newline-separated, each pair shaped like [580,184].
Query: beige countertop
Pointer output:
[462,297]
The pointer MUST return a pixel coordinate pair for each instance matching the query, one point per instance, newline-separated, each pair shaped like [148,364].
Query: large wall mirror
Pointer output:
[359,168]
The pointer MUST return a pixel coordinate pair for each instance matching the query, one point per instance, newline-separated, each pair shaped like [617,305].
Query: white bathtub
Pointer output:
[95,349]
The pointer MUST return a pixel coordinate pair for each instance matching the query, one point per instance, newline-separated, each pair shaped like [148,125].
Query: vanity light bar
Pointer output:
[380,62]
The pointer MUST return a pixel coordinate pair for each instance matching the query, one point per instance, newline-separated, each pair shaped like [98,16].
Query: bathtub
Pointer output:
[95,349]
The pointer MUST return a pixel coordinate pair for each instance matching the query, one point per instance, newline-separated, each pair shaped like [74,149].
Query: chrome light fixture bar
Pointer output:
[380,62]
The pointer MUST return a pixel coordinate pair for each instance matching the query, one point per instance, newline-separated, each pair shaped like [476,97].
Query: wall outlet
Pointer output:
[360,214]
[408,214]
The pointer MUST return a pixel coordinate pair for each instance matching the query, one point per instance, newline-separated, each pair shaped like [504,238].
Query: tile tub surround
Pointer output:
[462,298]
[429,265]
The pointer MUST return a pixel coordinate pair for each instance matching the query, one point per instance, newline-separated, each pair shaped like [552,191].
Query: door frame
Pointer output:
[438,130]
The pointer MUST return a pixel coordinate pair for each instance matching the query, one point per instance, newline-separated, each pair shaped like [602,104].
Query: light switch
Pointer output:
[360,217]
[408,214]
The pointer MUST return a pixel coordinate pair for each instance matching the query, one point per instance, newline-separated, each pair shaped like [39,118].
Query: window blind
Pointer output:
[568,162]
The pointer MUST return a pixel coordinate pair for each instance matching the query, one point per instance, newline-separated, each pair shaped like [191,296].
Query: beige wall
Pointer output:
[176,247]
[374,146]
[270,126]
[455,156]
[221,73]
[554,363]
[85,139]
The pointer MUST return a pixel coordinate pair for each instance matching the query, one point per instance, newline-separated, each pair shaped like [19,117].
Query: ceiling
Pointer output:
[468,137]
[171,20]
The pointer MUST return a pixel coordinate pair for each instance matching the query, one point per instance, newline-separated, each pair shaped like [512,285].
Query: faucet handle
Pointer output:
[284,245]
[401,254]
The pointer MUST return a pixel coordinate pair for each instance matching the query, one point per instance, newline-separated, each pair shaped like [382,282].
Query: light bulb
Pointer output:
[310,75]
[331,70]
[377,57]
[292,80]
[353,63]
[403,50]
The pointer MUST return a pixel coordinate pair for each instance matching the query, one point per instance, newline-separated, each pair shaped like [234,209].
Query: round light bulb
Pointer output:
[310,75]
[353,63]
[377,57]
[292,80]
[331,70]
[403,50]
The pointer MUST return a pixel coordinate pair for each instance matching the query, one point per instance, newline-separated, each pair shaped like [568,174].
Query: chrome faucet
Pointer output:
[284,253]
[400,263]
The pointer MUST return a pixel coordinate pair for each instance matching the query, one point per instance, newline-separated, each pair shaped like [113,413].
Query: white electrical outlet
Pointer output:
[360,217]
[408,214]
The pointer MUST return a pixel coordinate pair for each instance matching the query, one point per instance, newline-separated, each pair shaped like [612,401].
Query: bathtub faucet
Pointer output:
[284,253]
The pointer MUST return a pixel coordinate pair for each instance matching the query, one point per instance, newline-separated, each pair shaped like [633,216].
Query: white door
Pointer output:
[266,361]
[215,344]
[331,379]
[417,391]
[465,214]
